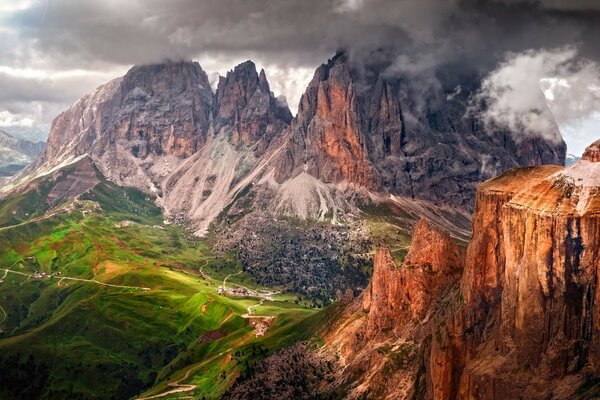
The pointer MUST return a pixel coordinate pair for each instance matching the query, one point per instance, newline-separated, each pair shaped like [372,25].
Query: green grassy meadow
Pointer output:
[65,333]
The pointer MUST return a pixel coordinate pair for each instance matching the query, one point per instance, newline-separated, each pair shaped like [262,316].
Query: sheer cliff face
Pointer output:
[399,294]
[326,138]
[166,110]
[522,324]
[365,126]
[152,110]
[531,278]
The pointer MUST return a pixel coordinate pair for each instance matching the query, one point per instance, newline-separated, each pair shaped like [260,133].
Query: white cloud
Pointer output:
[532,91]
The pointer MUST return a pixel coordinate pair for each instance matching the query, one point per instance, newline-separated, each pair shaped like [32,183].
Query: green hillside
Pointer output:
[99,298]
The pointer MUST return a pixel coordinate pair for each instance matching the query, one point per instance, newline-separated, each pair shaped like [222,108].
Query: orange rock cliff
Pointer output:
[522,322]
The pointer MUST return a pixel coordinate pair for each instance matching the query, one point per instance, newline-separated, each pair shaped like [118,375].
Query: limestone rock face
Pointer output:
[72,182]
[592,153]
[523,323]
[245,103]
[153,110]
[362,125]
[161,129]
[530,281]
[326,141]
[434,248]
[527,325]
[397,294]
[360,131]
[384,338]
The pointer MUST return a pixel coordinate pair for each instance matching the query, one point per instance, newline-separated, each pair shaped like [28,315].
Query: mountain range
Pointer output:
[355,268]
[161,129]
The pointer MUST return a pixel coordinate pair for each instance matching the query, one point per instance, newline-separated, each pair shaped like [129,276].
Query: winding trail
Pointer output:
[61,278]
[6,271]
[34,219]
[179,387]
[229,276]
[5,316]
[249,313]
[183,387]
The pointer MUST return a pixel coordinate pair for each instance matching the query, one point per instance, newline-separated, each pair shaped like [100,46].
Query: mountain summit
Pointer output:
[161,129]
[362,125]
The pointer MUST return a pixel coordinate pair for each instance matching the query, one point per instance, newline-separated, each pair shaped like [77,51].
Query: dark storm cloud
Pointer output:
[411,37]
[73,32]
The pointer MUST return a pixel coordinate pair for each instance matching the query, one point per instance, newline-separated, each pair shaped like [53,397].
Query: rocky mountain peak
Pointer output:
[433,247]
[592,152]
[245,103]
[177,76]
[362,125]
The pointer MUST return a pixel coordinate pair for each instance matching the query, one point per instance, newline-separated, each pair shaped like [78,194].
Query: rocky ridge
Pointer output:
[520,323]
[359,124]
[161,129]
[384,335]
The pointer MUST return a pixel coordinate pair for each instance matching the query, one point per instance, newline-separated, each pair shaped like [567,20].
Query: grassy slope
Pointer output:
[390,227]
[71,339]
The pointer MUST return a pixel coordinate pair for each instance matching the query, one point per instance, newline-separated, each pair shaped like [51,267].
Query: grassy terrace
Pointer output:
[100,299]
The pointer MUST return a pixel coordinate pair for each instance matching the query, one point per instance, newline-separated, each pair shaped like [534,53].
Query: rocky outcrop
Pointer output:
[523,322]
[530,283]
[161,129]
[397,295]
[592,153]
[326,138]
[385,334]
[358,123]
[153,110]
[245,103]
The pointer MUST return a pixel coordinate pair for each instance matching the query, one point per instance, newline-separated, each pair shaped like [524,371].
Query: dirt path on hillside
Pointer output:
[179,387]
[61,278]
[249,313]
[185,387]
[5,316]
[34,219]
[229,276]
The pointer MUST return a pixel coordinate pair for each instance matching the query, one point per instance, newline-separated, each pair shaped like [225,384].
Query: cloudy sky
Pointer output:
[54,51]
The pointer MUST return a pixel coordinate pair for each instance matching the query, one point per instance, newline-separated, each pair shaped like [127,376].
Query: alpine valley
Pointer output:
[172,241]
